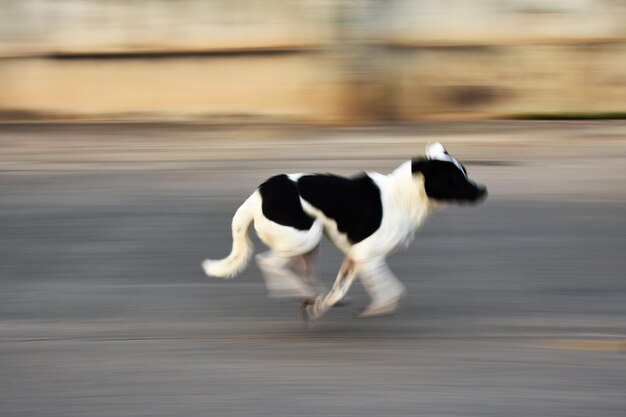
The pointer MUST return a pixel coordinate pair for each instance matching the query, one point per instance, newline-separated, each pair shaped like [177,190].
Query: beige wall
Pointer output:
[40,26]
[311,60]
[221,87]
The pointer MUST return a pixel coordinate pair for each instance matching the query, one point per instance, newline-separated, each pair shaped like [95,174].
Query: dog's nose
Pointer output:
[482,193]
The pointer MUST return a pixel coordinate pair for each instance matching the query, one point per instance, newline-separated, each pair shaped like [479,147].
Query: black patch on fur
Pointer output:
[354,203]
[281,203]
[443,180]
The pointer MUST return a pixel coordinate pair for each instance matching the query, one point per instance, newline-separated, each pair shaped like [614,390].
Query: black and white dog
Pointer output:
[367,217]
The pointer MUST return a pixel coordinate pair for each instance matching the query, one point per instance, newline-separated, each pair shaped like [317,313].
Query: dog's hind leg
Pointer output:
[306,268]
[308,271]
[321,304]
[280,281]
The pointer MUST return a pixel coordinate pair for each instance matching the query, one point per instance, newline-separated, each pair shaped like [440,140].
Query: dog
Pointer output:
[367,217]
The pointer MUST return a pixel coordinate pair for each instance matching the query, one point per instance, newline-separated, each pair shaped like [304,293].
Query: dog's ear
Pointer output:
[435,150]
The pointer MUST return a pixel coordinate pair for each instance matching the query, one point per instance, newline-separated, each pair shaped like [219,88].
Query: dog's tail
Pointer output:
[242,245]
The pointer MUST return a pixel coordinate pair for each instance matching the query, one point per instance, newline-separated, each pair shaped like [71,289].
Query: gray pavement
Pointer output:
[516,307]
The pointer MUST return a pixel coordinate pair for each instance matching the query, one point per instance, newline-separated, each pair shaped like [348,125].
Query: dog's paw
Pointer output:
[379,309]
[308,314]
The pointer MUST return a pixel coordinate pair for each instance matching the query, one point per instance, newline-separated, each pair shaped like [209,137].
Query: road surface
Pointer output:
[516,307]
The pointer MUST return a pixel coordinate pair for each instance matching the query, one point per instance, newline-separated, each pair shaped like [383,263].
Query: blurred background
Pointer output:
[344,61]
[131,131]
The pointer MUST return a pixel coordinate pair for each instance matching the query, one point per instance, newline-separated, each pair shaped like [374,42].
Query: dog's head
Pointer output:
[445,179]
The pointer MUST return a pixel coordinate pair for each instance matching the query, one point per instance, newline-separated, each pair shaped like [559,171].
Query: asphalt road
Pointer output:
[516,307]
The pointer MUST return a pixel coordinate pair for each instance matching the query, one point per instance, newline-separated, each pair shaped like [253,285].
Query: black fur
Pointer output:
[281,203]
[443,180]
[354,203]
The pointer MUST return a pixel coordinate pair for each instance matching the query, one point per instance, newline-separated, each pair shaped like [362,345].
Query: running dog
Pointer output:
[367,217]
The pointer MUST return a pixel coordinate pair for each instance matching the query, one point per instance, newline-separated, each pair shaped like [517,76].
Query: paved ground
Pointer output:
[516,307]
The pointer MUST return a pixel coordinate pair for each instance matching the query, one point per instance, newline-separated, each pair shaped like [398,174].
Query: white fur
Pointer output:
[405,207]
[242,245]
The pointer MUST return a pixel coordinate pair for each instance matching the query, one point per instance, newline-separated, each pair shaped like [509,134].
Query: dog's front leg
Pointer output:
[382,286]
[323,303]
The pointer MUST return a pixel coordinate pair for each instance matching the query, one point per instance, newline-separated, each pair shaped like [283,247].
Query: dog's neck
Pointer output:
[409,193]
